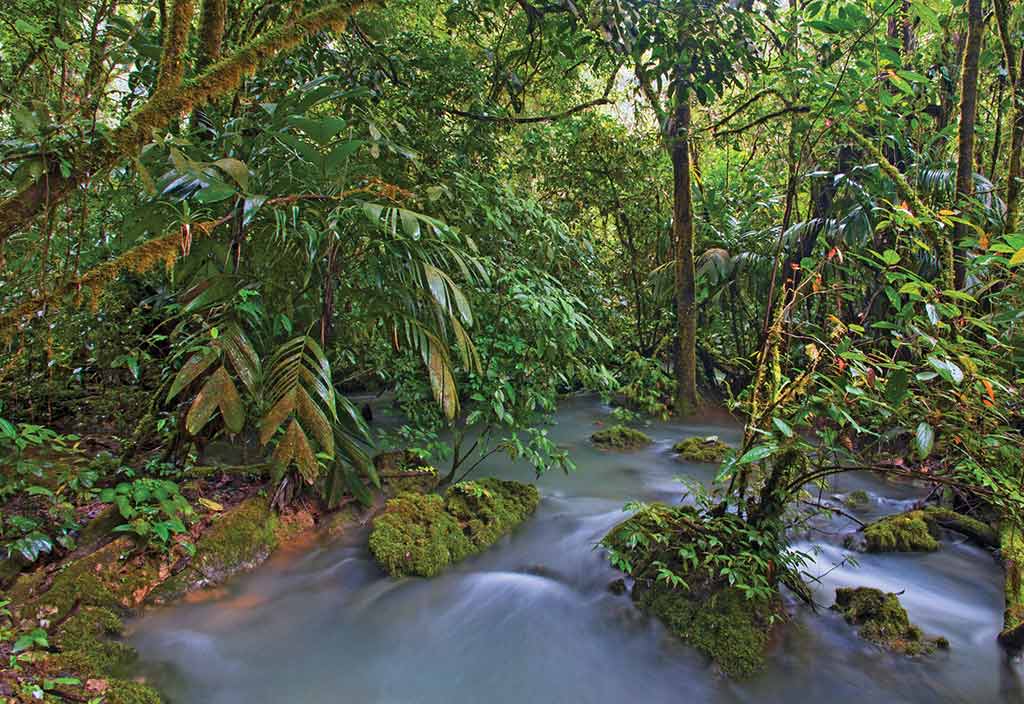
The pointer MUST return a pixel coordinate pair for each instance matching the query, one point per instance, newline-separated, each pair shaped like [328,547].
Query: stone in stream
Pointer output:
[421,534]
[918,531]
[707,613]
[699,449]
[883,620]
[619,437]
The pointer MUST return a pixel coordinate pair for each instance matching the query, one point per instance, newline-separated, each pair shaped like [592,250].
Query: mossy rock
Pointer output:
[715,618]
[619,437]
[421,534]
[857,499]
[905,532]
[239,540]
[726,626]
[918,530]
[698,449]
[883,620]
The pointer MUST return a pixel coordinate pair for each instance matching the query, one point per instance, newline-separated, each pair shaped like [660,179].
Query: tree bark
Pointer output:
[968,118]
[164,105]
[1014,59]
[685,269]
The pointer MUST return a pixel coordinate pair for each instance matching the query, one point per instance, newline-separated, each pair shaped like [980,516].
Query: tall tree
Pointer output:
[968,118]
[681,50]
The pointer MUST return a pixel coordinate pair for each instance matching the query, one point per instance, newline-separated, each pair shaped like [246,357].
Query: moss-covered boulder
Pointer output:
[698,449]
[882,620]
[857,499]
[904,532]
[421,534]
[619,437]
[918,530]
[240,539]
[707,612]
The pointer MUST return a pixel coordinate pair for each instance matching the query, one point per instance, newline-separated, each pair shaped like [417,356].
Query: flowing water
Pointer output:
[532,620]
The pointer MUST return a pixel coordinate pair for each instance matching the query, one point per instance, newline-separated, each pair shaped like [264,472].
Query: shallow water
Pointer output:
[531,620]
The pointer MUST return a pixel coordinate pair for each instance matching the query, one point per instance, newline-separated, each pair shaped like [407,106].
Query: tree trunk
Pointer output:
[1014,64]
[968,117]
[685,270]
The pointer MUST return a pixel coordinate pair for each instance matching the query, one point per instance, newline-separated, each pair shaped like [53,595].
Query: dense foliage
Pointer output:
[223,220]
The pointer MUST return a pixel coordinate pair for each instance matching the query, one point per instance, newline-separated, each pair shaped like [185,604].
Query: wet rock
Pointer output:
[420,535]
[918,531]
[883,620]
[617,587]
[708,614]
[698,449]
[619,437]
[857,499]
[403,470]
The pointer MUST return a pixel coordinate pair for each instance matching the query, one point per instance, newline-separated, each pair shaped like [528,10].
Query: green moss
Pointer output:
[726,626]
[1012,549]
[421,534]
[88,633]
[619,437]
[489,508]
[126,692]
[883,620]
[698,449]
[978,531]
[918,530]
[240,539]
[415,536]
[905,532]
[857,499]
[707,613]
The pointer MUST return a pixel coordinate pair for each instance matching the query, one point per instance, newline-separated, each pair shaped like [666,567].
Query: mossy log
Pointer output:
[918,530]
[1012,550]
[883,620]
[619,437]
[422,534]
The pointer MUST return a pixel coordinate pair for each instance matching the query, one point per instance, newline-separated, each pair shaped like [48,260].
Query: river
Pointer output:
[532,620]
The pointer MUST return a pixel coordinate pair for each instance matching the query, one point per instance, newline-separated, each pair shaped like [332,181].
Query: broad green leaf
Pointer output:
[925,437]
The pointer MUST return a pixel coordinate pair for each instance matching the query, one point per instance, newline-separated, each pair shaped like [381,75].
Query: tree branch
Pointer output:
[163,106]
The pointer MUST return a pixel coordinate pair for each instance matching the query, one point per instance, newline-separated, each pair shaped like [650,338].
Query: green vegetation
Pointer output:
[421,534]
[220,224]
[882,620]
[619,437]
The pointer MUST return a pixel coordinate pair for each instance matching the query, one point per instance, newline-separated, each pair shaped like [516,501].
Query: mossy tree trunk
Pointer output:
[1013,57]
[685,270]
[968,118]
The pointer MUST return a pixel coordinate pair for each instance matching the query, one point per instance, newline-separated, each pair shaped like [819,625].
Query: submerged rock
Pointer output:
[884,621]
[698,449]
[619,437]
[421,534]
[918,530]
[707,612]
